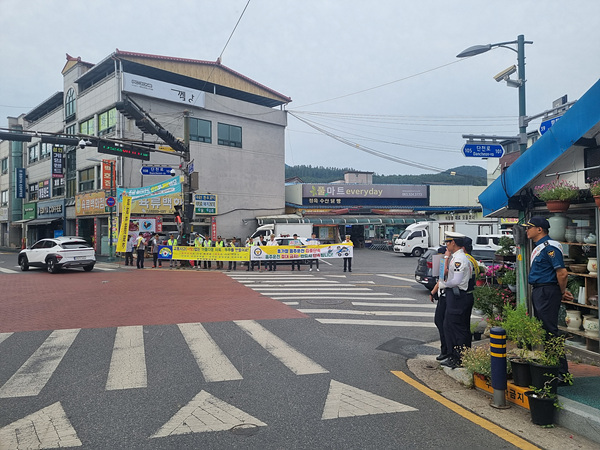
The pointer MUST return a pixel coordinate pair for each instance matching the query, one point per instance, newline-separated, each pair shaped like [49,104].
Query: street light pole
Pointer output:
[520,83]
[110,226]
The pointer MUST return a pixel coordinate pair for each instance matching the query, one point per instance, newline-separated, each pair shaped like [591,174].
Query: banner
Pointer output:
[57,162]
[172,186]
[124,231]
[108,172]
[182,252]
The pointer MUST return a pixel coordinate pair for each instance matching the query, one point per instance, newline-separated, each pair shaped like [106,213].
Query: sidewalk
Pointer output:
[578,423]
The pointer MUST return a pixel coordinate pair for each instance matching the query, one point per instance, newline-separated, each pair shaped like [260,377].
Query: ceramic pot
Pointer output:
[557,206]
[581,234]
[558,225]
[570,233]
[590,325]
[590,239]
[592,265]
[573,319]
[597,200]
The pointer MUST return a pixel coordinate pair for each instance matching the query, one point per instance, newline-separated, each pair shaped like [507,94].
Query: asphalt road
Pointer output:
[121,358]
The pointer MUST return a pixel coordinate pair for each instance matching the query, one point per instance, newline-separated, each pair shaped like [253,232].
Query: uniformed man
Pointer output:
[457,326]
[172,241]
[198,243]
[206,244]
[220,244]
[440,309]
[548,277]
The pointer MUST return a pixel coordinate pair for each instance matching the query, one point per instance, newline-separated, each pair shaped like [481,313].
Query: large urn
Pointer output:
[558,225]
[573,319]
[590,325]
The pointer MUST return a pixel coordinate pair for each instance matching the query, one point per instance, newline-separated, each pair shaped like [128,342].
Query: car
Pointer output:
[424,270]
[55,254]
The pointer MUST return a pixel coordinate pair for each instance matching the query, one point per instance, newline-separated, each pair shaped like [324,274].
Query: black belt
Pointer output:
[536,285]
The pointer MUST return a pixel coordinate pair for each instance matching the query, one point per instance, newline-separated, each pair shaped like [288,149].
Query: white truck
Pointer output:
[420,236]
[283,229]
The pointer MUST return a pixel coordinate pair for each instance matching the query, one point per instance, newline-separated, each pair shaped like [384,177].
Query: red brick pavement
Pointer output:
[73,299]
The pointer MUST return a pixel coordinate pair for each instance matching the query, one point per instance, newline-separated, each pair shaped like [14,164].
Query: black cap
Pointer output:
[538,221]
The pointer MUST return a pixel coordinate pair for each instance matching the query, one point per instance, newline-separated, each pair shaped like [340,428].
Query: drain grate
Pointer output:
[245,429]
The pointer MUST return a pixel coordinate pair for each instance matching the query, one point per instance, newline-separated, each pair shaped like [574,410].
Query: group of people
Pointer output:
[454,290]
[271,264]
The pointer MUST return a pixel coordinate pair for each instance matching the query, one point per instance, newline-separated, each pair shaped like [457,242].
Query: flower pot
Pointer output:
[573,319]
[557,206]
[476,336]
[479,282]
[512,287]
[520,372]
[570,233]
[597,200]
[542,409]
[540,374]
[592,265]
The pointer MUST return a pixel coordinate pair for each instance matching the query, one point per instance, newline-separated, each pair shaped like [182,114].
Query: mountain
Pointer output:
[464,175]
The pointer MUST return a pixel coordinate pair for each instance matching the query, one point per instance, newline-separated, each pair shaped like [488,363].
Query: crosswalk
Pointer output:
[128,368]
[314,294]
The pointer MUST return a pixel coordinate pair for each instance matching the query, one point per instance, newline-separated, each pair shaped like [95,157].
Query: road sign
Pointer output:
[149,170]
[110,201]
[191,168]
[205,204]
[483,150]
[546,124]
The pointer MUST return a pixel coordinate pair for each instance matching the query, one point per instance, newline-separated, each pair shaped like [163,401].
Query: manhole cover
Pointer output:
[325,302]
[245,429]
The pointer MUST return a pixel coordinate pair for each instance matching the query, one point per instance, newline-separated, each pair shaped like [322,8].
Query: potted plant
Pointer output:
[543,403]
[476,329]
[477,360]
[510,279]
[595,190]
[526,332]
[490,300]
[506,250]
[545,363]
[557,194]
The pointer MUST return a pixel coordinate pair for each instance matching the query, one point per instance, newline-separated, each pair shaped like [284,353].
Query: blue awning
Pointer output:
[581,120]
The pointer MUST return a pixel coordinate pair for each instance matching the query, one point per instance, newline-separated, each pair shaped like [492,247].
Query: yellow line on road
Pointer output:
[491,427]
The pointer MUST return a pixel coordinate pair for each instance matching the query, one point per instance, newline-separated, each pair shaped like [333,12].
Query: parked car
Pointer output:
[54,254]
[423,272]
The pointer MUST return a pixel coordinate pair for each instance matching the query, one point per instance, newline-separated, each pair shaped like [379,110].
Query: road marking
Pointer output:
[294,280]
[213,363]
[300,285]
[348,401]
[4,336]
[486,424]
[306,289]
[355,312]
[291,303]
[128,363]
[291,358]
[401,305]
[344,295]
[33,375]
[104,269]
[336,276]
[47,428]
[385,323]
[3,270]
[393,277]
[203,413]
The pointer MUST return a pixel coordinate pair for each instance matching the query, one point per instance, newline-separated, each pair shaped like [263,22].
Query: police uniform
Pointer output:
[457,329]
[546,296]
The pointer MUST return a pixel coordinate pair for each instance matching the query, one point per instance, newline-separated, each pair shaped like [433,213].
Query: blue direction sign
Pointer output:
[149,170]
[483,150]
[546,124]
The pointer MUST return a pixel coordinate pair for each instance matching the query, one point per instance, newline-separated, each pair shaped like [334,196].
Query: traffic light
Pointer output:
[179,218]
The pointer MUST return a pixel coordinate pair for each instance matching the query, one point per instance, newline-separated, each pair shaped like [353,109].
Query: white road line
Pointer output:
[291,358]
[4,336]
[33,375]
[306,289]
[3,270]
[272,285]
[291,280]
[128,362]
[291,303]
[104,269]
[393,277]
[385,323]
[401,305]
[354,312]
[213,363]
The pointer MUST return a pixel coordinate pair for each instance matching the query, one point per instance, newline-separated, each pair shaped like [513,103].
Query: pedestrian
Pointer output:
[154,244]
[548,276]
[129,250]
[457,322]
[348,261]
[234,244]
[141,250]
[271,262]
[440,309]
[198,243]
[172,241]
[313,241]
[207,244]
[220,244]
[295,261]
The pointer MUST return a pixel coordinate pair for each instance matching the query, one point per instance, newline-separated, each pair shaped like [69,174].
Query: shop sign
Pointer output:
[90,204]
[29,210]
[44,189]
[51,209]
[156,205]
[21,182]
[364,191]
[4,213]
[57,162]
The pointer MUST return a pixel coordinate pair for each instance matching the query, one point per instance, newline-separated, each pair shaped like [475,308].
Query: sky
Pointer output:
[367,79]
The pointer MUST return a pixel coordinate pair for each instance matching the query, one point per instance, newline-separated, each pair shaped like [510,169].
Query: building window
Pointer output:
[4,165]
[70,130]
[88,127]
[4,198]
[34,153]
[229,135]
[86,179]
[70,105]
[46,150]
[58,187]
[107,121]
[33,191]
[200,130]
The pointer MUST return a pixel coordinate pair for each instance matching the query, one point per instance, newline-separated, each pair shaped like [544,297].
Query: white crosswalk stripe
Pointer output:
[3,270]
[128,363]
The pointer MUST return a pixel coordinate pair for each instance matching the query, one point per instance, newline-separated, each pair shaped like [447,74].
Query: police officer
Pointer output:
[548,277]
[440,309]
[198,243]
[172,241]
[458,304]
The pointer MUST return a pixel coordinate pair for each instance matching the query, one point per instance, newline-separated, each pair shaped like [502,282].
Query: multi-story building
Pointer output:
[235,133]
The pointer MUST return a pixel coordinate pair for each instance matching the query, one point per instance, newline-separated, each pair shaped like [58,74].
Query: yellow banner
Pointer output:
[182,252]
[122,242]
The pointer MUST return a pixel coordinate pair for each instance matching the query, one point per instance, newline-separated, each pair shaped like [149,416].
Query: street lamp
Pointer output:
[520,83]
[112,195]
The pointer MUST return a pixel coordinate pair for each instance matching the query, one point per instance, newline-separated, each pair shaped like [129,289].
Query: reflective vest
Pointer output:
[219,244]
[207,243]
[172,242]
[198,242]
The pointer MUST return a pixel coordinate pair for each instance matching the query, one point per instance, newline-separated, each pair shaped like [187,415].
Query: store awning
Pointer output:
[582,120]
[42,221]
[336,220]
[19,222]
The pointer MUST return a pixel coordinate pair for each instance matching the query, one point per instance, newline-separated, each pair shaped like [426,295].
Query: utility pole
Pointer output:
[188,210]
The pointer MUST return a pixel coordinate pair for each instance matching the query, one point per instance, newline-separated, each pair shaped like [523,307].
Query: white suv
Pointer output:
[57,253]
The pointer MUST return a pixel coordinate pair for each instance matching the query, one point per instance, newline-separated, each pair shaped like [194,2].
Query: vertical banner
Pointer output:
[108,172]
[57,162]
[213,228]
[122,243]
[21,182]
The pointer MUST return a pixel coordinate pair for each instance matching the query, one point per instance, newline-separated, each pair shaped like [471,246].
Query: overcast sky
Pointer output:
[382,75]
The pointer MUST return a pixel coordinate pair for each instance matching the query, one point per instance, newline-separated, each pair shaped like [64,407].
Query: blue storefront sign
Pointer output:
[483,150]
[21,182]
